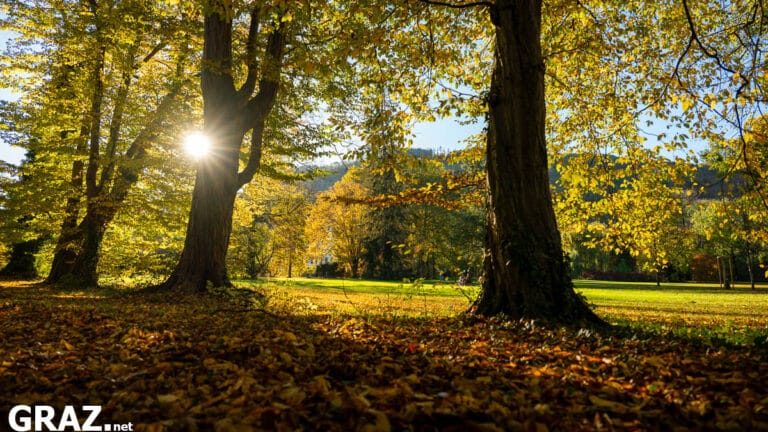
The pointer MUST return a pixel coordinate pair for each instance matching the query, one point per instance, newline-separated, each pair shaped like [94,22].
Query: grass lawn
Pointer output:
[685,309]
[697,310]
[364,297]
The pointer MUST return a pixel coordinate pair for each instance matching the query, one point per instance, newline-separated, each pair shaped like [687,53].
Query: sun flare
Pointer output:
[197,145]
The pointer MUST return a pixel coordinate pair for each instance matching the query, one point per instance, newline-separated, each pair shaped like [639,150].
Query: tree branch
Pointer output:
[260,106]
[250,56]
[160,45]
[116,124]
[709,52]
[95,115]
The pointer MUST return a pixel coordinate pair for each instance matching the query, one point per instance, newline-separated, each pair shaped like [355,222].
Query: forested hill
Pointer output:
[336,171]
[706,176]
[333,173]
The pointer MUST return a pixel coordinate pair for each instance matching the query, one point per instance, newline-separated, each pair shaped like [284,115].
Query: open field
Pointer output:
[696,310]
[316,356]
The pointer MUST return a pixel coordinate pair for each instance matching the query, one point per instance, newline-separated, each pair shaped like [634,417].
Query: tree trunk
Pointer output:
[526,273]
[77,251]
[77,265]
[290,265]
[65,254]
[730,268]
[203,258]
[84,270]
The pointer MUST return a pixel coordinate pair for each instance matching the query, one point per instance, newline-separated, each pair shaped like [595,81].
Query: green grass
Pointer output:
[406,298]
[691,310]
[701,311]
[433,287]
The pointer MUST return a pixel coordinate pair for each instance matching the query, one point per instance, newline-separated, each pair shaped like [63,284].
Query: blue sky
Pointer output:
[7,152]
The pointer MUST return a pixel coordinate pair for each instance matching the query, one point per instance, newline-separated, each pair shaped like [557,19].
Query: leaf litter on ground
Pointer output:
[193,363]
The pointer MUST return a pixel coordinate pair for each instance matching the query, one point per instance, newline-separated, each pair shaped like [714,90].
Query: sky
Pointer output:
[446,134]
[9,153]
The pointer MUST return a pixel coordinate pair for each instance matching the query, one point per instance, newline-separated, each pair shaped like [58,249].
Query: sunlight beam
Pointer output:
[197,145]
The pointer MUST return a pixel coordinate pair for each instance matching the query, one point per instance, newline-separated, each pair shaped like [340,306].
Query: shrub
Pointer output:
[329,270]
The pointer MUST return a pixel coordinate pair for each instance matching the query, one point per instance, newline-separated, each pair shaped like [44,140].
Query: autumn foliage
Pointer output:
[196,363]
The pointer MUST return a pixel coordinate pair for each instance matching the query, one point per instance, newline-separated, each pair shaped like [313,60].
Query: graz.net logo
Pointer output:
[44,418]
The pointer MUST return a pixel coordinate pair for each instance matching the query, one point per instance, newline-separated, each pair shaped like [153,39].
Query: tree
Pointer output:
[632,206]
[229,112]
[743,165]
[526,274]
[250,249]
[287,218]
[21,259]
[258,80]
[101,59]
[340,228]
[609,78]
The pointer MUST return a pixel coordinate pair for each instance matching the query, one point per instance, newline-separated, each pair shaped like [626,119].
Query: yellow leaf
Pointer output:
[66,345]
[168,398]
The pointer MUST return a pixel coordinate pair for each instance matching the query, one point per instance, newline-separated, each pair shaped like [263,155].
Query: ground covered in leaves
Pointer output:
[204,363]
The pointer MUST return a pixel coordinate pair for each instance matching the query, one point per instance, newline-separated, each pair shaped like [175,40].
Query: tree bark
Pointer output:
[203,258]
[526,273]
[93,226]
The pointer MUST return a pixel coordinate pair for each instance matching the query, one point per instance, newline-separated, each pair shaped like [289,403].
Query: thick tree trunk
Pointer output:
[203,259]
[77,264]
[526,273]
[65,252]
[94,225]
[65,255]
